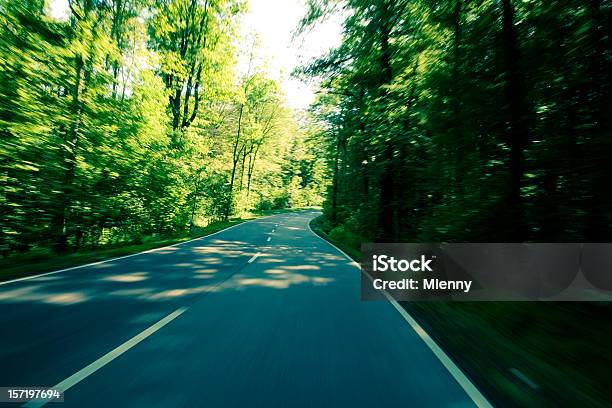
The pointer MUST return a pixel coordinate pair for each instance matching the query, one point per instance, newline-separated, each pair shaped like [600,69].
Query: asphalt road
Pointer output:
[264,314]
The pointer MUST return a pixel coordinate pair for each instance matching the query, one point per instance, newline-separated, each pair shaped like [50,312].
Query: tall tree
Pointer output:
[190,36]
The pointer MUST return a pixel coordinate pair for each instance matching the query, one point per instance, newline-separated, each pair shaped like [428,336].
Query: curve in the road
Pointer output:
[265,313]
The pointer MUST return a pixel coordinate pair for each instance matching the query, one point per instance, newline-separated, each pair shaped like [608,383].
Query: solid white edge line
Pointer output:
[459,376]
[129,256]
[108,357]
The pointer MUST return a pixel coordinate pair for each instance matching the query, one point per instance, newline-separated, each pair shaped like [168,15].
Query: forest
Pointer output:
[131,118]
[467,120]
[436,121]
[477,121]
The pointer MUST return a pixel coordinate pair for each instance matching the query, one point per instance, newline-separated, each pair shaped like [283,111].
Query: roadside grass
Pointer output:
[36,262]
[22,265]
[547,354]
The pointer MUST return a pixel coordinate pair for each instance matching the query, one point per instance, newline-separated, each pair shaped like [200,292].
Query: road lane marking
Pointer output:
[459,376]
[269,238]
[254,257]
[126,256]
[108,357]
[465,383]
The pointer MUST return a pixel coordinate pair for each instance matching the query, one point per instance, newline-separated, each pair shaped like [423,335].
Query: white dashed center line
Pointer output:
[254,257]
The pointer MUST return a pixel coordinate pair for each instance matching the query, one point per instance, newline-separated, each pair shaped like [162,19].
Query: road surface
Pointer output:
[264,314]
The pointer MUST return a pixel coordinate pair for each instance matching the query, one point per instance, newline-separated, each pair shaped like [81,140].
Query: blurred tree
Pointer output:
[190,36]
[119,122]
[462,120]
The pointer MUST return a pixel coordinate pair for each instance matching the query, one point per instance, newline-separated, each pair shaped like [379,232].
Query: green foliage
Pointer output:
[468,121]
[121,122]
[477,121]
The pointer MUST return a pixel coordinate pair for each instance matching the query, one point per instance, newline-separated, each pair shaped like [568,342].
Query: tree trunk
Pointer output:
[518,132]
[235,159]
[69,153]
[599,204]
[251,168]
[387,226]
[334,195]
[194,204]
[245,153]
[459,178]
